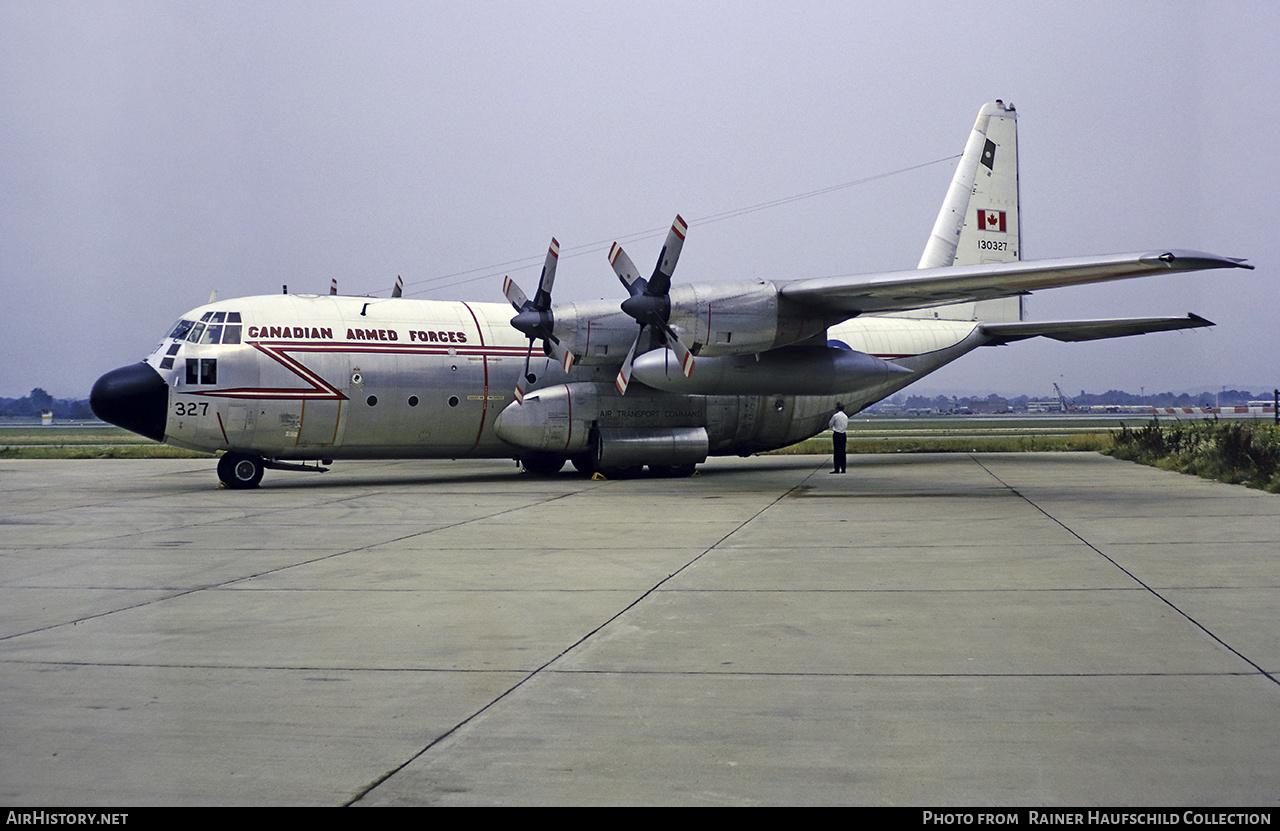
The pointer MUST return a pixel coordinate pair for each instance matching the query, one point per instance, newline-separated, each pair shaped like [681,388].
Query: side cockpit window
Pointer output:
[202,371]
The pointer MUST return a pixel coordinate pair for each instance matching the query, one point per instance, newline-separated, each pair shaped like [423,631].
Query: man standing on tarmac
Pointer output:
[839,424]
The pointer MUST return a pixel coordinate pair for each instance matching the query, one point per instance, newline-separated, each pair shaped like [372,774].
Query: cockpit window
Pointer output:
[210,329]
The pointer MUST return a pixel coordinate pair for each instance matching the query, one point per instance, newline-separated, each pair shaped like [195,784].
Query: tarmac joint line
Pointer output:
[1128,573]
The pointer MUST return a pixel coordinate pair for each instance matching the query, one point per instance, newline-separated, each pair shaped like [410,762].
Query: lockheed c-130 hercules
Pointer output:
[677,374]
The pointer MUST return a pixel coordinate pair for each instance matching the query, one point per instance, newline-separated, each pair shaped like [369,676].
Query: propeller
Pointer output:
[650,300]
[534,318]
[398,291]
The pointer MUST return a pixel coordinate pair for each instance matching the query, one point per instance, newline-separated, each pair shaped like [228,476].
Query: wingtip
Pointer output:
[1184,260]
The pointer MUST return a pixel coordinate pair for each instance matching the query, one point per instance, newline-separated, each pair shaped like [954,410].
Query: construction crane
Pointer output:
[1062,400]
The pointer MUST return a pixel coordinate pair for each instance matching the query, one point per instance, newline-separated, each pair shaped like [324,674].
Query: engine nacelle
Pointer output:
[717,319]
[796,370]
[545,420]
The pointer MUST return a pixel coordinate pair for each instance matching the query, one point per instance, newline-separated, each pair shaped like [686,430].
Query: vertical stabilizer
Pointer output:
[979,221]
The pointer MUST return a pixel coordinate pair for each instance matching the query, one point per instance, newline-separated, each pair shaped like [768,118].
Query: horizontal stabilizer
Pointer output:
[902,290]
[1081,330]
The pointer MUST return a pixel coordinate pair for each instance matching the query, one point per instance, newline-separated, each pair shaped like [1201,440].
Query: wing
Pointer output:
[905,290]
[1081,330]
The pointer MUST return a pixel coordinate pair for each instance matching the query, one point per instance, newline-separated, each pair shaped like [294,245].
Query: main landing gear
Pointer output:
[549,464]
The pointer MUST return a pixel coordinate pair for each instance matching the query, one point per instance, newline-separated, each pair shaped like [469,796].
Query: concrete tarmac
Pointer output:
[985,629]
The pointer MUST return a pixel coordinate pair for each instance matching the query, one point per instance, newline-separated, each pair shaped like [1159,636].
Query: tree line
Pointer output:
[996,403]
[37,401]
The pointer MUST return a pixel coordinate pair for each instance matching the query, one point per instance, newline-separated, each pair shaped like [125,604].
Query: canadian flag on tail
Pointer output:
[992,221]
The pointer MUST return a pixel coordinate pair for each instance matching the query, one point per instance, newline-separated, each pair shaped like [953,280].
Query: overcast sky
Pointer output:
[151,152]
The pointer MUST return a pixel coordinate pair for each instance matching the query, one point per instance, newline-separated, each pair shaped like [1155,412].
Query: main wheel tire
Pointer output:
[584,463]
[239,471]
[543,464]
[673,471]
[629,472]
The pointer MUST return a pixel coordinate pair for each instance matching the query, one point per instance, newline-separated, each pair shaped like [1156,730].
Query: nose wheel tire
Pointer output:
[240,470]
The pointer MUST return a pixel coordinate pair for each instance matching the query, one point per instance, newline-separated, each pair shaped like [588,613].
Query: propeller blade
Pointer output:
[398,291]
[563,355]
[682,352]
[542,300]
[333,286]
[626,270]
[624,374]
[660,282]
[514,295]
[519,393]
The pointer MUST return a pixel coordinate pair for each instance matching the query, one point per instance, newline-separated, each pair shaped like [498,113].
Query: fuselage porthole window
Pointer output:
[453,401]
[372,401]
[413,401]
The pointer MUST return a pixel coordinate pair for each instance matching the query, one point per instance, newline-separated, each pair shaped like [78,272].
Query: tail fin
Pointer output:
[979,221]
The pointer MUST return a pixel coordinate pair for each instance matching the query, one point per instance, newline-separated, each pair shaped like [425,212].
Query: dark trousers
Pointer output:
[837,446]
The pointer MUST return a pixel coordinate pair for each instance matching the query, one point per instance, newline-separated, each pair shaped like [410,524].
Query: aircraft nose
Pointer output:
[133,397]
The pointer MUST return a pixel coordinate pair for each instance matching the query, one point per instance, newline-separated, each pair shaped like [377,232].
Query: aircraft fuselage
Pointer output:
[305,377]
